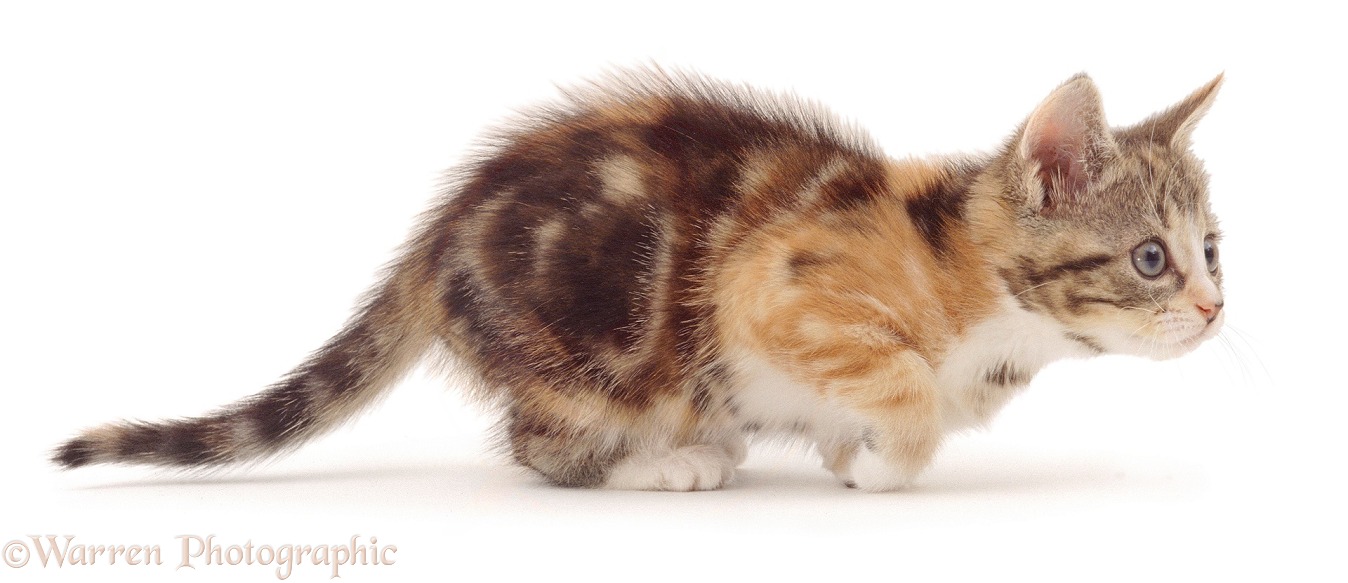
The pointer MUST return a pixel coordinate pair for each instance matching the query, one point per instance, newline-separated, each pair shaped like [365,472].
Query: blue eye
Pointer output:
[1210,253]
[1149,258]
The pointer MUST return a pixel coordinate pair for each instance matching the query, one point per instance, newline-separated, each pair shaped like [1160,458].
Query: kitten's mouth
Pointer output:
[1195,340]
[1200,336]
[1173,340]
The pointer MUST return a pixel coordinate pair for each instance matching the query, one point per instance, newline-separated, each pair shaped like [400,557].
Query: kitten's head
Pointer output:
[1115,237]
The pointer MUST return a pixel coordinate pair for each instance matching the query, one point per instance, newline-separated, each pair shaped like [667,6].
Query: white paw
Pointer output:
[872,473]
[697,467]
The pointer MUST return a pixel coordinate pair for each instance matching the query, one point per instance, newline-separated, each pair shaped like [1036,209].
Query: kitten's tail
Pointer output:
[386,337]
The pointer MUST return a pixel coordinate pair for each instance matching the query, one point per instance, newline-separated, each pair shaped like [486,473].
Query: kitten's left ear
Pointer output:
[1176,125]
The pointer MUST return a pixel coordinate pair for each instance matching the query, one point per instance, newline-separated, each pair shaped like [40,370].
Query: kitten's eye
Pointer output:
[1210,253]
[1149,258]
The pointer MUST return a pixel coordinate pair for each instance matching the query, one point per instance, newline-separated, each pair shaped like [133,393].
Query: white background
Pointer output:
[193,198]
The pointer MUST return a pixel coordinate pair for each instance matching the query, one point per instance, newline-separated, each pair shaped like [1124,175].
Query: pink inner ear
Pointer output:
[1061,174]
[1059,145]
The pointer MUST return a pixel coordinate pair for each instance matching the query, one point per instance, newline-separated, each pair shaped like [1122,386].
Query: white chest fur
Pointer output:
[996,358]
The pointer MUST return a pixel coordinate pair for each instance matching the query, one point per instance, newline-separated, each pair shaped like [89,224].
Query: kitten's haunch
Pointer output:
[645,274]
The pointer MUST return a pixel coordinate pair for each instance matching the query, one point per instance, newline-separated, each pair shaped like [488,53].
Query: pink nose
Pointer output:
[1210,309]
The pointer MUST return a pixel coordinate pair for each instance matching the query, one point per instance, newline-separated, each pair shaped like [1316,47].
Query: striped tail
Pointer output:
[352,370]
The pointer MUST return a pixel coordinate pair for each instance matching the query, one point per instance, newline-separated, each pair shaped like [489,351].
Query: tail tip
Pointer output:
[74,453]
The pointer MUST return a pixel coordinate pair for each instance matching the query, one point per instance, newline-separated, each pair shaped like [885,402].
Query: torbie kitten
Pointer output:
[645,274]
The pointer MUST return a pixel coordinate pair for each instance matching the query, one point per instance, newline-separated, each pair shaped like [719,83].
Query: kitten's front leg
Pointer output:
[861,362]
[898,403]
[842,325]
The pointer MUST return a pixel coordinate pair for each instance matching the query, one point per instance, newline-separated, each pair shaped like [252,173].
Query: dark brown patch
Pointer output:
[534,426]
[186,445]
[140,439]
[592,292]
[860,185]
[74,453]
[280,411]
[1007,375]
[335,370]
[509,242]
[935,212]
[700,399]
[692,131]
[636,391]
[801,262]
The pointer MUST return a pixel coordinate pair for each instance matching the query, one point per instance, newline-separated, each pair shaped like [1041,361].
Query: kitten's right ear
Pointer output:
[1064,144]
[1175,126]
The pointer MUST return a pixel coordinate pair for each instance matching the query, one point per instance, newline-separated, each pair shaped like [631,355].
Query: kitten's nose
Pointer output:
[1210,309]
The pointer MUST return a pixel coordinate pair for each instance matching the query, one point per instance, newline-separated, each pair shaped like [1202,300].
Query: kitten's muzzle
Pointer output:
[1210,310]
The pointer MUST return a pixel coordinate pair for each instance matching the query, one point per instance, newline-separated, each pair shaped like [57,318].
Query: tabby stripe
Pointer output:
[1078,265]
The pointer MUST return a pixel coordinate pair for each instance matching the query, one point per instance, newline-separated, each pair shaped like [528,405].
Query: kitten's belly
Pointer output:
[766,399]
[769,401]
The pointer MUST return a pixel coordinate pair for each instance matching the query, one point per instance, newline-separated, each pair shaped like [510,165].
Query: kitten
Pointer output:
[661,265]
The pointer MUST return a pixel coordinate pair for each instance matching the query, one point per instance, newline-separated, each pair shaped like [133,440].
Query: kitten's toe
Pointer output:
[697,467]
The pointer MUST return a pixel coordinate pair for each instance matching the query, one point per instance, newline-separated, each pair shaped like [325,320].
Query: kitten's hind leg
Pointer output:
[681,469]
[600,445]
[565,453]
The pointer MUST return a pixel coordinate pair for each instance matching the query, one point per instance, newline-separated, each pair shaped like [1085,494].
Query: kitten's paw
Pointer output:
[696,467]
[736,449]
[873,473]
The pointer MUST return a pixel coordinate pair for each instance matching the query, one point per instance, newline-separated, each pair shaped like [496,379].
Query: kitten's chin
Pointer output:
[1159,347]
[1161,351]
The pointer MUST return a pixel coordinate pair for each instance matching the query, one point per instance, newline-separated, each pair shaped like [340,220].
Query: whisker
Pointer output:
[1031,288]
[1238,334]
[1230,351]
[1152,312]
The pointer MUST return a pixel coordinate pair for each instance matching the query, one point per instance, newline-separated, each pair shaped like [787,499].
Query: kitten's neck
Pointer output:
[953,205]
[958,206]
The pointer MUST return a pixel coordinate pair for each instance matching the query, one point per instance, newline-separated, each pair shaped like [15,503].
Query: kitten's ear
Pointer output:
[1065,143]
[1174,126]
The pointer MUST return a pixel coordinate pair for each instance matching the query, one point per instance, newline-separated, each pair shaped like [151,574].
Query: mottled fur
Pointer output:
[660,265]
